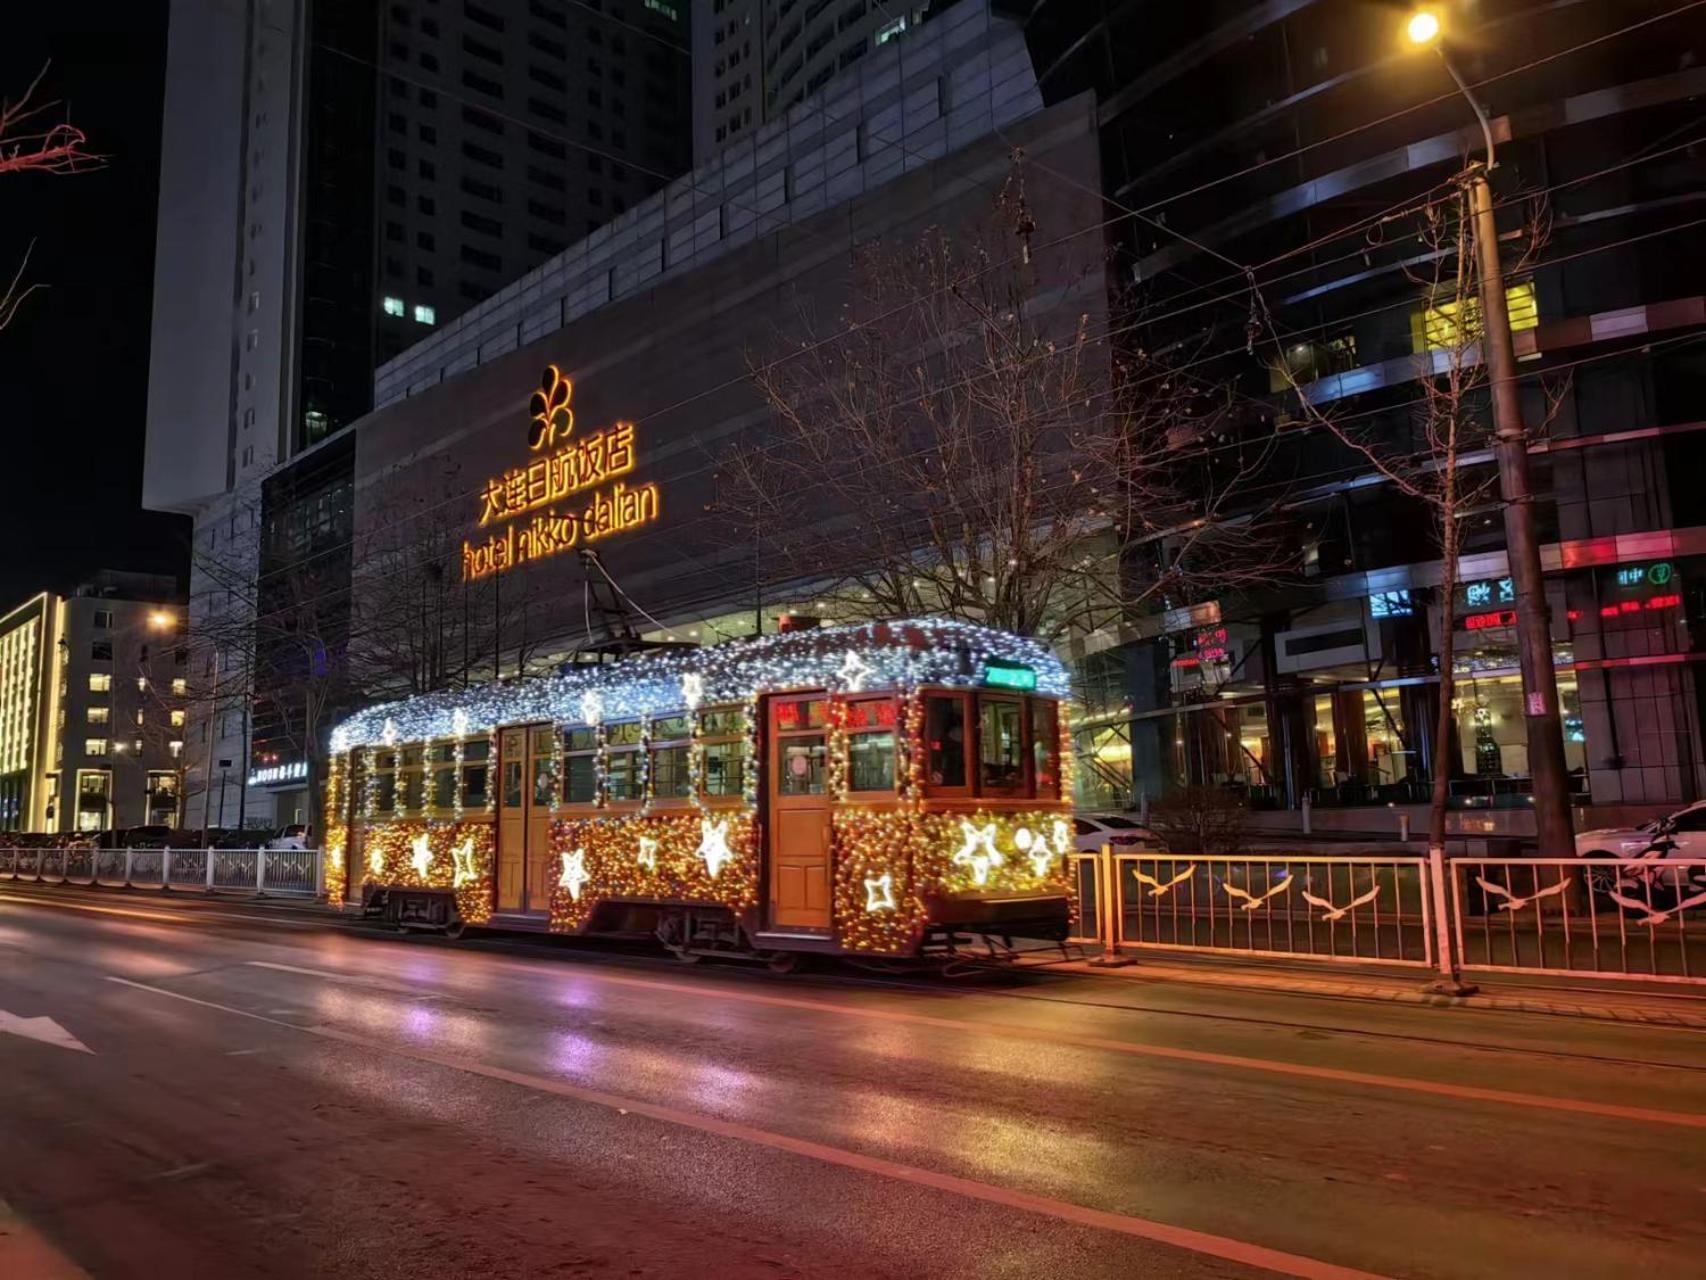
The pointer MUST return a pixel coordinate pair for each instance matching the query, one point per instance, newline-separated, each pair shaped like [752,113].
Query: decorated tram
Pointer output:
[891,789]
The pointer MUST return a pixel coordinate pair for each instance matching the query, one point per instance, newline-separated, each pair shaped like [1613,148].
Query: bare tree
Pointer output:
[30,144]
[1437,466]
[976,435]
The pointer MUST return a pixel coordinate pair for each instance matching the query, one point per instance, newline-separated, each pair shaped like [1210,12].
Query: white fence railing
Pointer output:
[283,873]
[1594,917]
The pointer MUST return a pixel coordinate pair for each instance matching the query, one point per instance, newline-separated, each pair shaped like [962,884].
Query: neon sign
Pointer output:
[1483,621]
[567,468]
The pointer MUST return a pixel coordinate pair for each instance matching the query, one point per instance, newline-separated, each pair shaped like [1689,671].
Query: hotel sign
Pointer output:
[570,494]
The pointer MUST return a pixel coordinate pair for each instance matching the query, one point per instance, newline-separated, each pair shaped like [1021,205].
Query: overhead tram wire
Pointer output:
[1680,340]
[1182,370]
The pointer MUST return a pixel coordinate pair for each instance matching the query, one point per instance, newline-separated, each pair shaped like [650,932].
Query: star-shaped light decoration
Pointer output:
[854,671]
[592,706]
[422,857]
[388,735]
[573,874]
[879,892]
[459,723]
[467,863]
[648,854]
[714,844]
[1036,848]
[1060,836]
[692,689]
[375,861]
[976,839]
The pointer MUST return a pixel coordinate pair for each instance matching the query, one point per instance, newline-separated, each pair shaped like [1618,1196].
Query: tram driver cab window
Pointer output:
[1000,747]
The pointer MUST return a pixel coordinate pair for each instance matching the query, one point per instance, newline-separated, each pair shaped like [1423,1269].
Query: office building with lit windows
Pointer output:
[93,696]
[1267,169]
[338,180]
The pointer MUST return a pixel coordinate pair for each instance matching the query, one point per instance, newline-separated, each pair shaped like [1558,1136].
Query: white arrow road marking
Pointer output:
[43,1028]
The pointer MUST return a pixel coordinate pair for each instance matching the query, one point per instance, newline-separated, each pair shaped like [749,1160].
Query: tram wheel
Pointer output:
[454,928]
[685,956]
[785,962]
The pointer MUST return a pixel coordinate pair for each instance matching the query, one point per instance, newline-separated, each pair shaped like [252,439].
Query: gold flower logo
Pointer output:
[549,406]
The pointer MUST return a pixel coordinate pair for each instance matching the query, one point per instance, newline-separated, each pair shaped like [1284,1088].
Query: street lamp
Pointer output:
[1552,820]
[161,620]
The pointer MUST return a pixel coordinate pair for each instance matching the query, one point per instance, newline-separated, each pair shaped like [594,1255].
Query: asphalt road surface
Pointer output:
[209,1090]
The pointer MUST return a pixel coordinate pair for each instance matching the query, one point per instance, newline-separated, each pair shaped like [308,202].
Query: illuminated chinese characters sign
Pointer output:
[571,493]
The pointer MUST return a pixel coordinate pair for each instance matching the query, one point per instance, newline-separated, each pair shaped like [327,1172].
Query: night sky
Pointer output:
[74,365]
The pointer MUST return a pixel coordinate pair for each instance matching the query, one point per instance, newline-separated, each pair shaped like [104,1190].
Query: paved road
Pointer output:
[295,1097]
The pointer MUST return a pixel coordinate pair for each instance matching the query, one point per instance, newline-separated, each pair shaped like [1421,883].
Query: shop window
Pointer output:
[871,745]
[722,730]
[1001,747]
[945,739]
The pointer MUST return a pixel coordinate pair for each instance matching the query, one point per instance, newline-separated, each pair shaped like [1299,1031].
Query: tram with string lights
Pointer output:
[882,790]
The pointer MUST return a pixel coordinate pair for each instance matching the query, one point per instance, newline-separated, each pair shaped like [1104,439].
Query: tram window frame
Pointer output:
[892,730]
[439,766]
[411,780]
[1021,788]
[479,762]
[1043,712]
[679,747]
[580,745]
[384,783]
[619,745]
[715,731]
[968,759]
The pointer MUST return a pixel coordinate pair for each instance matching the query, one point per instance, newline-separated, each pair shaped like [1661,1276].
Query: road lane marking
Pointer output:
[189,913]
[353,979]
[41,1028]
[1224,1247]
[1200,1057]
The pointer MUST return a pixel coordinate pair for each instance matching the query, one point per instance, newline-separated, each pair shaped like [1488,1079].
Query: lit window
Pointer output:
[142,684]
[98,715]
[393,306]
[889,31]
[100,682]
[94,746]
[176,748]
[136,746]
[1440,328]
[180,686]
[425,315]
[178,718]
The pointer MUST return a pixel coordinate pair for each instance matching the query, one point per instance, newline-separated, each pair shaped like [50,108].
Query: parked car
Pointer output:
[1093,830]
[150,837]
[294,836]
[1645,850]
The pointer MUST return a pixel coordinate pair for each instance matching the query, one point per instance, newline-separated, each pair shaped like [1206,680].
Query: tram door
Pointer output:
[526,780]
[355,843]
[798,828]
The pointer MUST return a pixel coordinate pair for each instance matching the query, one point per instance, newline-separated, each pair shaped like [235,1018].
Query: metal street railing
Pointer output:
[1303,906]
[284,873]
[1601,917]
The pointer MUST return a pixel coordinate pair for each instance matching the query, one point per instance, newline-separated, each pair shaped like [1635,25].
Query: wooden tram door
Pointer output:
[526,781]
[798,827]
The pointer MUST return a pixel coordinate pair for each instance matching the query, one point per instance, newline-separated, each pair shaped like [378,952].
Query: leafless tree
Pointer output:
[1442,466]
[978,435]
[31,144]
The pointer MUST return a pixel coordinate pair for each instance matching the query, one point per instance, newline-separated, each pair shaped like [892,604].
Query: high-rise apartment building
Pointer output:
[754,59]
[336,180]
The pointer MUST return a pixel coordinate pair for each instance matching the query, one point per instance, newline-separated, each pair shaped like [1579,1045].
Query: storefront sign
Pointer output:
[585,470]
[1492,591]
[296,771]
[1497,618]
[1391,604]
[1633,577]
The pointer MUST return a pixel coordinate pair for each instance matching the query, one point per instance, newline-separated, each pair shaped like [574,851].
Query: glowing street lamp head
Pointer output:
[1423,27]
[160,620]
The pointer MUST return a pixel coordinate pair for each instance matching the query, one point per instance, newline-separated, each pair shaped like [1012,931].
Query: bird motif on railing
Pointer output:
[1160,889]
[1654,916]
[1333,913]
[1252,901]
[1514,903]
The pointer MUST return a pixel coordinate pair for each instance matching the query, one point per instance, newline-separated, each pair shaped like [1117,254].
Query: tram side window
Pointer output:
[1045,749]
[670,779]
[476,772]
[544,768]
[870,744]
[413,782]
[1001,746]
[723,730]
[385,782]
[441,759]
[580,766]
[622,765]
[945,739]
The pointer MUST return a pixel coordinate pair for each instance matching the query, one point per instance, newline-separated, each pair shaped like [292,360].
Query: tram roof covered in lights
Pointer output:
[846,659]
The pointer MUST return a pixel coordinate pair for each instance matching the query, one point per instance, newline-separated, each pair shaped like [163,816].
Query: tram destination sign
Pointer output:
[1009,675]
[572,492]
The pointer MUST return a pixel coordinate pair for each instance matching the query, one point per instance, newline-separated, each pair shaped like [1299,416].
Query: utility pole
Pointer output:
[1553,824]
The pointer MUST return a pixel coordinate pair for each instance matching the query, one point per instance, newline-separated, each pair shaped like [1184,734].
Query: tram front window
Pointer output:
[870,745]
[803,761]
[1001,747]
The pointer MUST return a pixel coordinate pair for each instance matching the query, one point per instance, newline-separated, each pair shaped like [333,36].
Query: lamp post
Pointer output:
[1550,781]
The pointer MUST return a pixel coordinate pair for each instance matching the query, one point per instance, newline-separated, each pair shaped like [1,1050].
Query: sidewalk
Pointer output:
[1677,1005]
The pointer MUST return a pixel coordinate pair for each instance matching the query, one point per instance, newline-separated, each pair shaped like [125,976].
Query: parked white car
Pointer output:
[1645,849]
[1093,830]
[295,836]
